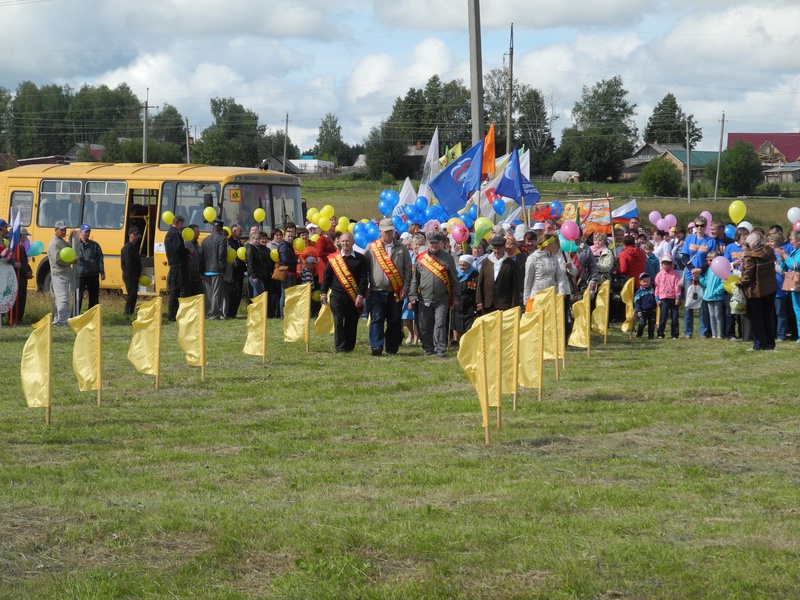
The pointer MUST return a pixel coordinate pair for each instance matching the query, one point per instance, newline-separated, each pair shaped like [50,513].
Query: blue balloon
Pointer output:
[384,208]
[499,206]
[431,213]
[421,203]
[467,220]
[397,221]
[360,239]
[473,212]
[567,246]
[359,227]
[441,213]
[556,209]
[35,249]
[409,210]
[392,198]
[402,228]
[730,231]
[372,228]
[384,195]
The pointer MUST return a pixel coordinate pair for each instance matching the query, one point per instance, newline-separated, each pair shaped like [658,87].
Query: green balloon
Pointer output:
[67,255]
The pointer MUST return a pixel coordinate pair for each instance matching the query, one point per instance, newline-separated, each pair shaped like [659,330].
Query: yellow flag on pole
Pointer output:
[191,319]
[324,323]
[472,360]
[601,306]
[86,356]
[531,334]
[627,297]
[34,368]
[449,156]
[145,349]
[545,303]
[256,342]
[582,323]
[297,313]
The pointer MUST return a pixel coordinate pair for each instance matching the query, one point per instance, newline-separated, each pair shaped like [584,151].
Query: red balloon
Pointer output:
[570,230]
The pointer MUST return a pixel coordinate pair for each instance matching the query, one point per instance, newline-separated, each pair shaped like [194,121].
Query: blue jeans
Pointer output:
[705,321]
[258,286]
[688,322]
[716,312]
[386,325]
[782,314]
[290,281]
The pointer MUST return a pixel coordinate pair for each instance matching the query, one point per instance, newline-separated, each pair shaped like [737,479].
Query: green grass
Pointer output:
[651,470]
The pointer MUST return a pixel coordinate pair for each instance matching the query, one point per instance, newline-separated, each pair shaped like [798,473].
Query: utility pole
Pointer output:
[476,69]
[188,157]
[719,156]
[285,140]
[144,131]
[688,166]
[510,90]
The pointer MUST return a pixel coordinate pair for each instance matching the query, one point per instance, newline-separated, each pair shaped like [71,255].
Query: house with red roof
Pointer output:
[773,149]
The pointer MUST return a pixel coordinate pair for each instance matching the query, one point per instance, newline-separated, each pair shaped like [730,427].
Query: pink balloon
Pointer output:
[796,226]
[721,267]
[460,233]
[662,225]
[570,230]
[671,221]
[654,217]
[707,216]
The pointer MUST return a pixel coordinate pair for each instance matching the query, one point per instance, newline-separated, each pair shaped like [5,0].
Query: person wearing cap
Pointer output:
[91,268]
[60,274]
[346,279]
[498,280]
[389,267]
[668,295]
[434,290]
[465,313]
[214,261]
[644,305]
[131,263]
[178,260]
[545,269]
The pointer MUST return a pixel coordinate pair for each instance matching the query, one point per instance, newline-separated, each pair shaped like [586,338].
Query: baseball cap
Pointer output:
[538,227]
[519,233]
[311,259]
[217,223]
[134,231]
[387,225]
[58,224]
[23,231]
[85,227]
[405,235]
[666,258]
[3,223]
[643,275]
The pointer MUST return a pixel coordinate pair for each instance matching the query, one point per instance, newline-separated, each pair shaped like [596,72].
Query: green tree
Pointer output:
[38,126]
[385,151]
[271,143]
[739,170]
[5,120]
[660,178]
[667,124]
[168,125]
[95,110]
[233,139]
[603,120]
[533,125]
[330,145]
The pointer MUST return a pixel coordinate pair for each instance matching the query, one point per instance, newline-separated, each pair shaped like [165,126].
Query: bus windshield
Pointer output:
[240,200]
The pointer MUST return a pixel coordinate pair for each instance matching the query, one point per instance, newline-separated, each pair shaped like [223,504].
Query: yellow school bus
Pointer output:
[111,198]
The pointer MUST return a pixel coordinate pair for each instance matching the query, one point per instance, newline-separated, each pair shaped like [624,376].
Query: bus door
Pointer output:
[143,214]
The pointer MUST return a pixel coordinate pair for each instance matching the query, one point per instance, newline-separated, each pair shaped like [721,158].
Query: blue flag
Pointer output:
[13,234]
[513,184]
[454,184]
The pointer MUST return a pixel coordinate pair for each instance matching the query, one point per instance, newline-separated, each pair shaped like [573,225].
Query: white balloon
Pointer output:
[793,215]
[747,225]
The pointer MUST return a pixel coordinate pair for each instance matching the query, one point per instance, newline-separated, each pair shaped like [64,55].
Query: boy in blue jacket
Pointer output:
[644,304]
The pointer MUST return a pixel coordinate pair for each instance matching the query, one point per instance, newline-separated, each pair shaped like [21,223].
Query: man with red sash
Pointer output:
[346,279]
[389,266]
[434,290]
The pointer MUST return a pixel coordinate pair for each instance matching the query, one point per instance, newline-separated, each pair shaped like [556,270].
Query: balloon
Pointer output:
[452,222]
[310,213]
[67,255]
[384,208]
[344,221]
[467,221]
[314,238]
[793,215]
[706,215]
[460,233]
[654,217]
[410,211]
[556,209]
[167,217]
[144,281]
[662,224]
[327,212]
[259,215]
[747,225]
[397,221]
[671,221]
[315,218]
[241,253]
[27,244]
[566,245]
[730,283]
[187,233]
[227,230]
[431,214]
[36,249]
[273,254]
[570,230]
[421,203]
[796,226]
[730,231]
[209,214]
[373,231]
[483,223]
[231,256]
[473,212]
[392,198]
[384,195]
[299,244]
[499,206]
[360,239]
[359,227]
[324,223]
[721,267]
[315,295]
[351,227]
[737,210]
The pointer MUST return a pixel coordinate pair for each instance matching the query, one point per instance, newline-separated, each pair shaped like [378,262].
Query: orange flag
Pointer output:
[488,153]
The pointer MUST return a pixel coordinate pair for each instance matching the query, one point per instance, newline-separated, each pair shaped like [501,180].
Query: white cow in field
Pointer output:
[566,177]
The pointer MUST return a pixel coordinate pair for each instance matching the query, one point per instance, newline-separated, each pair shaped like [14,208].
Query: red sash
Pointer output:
[387,266]
[343,274]
[438,270]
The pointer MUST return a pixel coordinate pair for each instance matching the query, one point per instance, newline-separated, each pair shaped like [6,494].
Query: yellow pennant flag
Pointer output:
[582,324]
[34,368]
[627,297]
[601,306]
[86,353]
[297,313]
[545,303]
[191,319]
[324,323]
[531,338]
[472,360]
[449,156]
[145,349]
[256,342]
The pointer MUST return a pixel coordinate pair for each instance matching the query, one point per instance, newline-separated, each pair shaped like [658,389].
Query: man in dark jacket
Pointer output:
[131,263]
[498,280]
[346,278]
[178,259]
[239,269]
[91,267]
[214,255]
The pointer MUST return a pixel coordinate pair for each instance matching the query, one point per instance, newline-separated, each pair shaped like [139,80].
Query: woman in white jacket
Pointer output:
[545,268]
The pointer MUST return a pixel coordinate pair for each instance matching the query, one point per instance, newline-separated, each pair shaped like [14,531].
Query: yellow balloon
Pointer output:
[730,283]
[310,213]
[351,227]
[315,218]
[365,221]
[737,210]
[315,295]
[167,217]
[209,214]
[187,233]
[273,254]
[314,238]
[324,223]
[299,244]
[452,223]
[144,281]
[241,253]
[231,255]
[227,230]
[344,221]
[327,211]
[259,215]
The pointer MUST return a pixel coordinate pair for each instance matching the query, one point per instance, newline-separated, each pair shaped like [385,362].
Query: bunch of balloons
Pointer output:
[35,249]
[364,233]
[389,199]
[794,218]
[662,223]
[322,217]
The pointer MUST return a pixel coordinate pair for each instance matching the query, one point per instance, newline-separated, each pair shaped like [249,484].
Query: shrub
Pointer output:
[660,178]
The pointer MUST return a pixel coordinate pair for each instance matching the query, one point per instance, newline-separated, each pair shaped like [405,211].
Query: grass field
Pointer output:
[651,470]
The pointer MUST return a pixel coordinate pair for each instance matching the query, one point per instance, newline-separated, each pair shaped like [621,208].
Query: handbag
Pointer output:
[279,274]
[791,281]
[738,302]
[694,297]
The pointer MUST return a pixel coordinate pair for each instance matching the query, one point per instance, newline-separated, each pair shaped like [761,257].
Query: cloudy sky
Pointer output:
[353,58]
